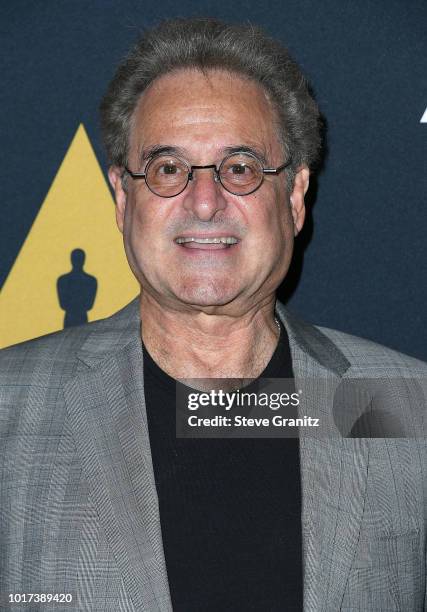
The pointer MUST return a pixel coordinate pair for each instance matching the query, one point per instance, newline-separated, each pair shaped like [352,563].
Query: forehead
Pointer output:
[203,113]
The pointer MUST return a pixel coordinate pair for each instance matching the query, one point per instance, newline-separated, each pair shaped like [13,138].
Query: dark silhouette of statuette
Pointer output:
[76,291]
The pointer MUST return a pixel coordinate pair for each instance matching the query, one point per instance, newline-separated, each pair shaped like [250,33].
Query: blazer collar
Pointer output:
[109,336]
[307,339]
[106,405]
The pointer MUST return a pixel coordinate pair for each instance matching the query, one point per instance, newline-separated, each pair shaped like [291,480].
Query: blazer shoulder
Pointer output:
[58,348]
[372,358]
[33,374]
[58,351]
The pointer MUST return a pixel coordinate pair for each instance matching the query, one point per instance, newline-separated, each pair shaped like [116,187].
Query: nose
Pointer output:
[204,195]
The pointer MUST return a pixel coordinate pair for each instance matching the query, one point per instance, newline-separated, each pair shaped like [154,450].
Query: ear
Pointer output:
[115,177]
[297,198]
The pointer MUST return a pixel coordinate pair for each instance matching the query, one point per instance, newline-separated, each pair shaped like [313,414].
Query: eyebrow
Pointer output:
[157,149]
[247,149]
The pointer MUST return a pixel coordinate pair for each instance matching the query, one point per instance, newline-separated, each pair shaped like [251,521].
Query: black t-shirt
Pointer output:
[230,509]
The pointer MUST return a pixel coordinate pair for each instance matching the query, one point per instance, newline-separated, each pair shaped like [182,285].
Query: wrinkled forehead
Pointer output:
[209,109]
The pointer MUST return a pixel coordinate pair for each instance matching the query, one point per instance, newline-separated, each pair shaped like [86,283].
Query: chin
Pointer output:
[206,294]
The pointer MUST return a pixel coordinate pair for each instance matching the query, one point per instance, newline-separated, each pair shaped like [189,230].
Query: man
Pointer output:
[211,134]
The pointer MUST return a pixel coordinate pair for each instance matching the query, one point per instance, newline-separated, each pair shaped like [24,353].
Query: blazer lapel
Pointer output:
[106,407]
[333,469]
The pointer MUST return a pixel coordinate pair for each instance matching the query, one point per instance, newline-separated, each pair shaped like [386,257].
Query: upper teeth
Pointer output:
[223,239]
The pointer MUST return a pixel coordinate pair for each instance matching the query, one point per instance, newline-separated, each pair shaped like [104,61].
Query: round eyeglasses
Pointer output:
[239,173]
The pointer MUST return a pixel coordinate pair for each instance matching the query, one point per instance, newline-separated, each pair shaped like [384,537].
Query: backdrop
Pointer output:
[360,264]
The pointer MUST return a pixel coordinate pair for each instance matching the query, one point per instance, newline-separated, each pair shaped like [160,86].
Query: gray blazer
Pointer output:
[79,509]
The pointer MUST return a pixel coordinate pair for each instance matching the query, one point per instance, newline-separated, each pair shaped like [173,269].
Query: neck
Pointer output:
[193,344]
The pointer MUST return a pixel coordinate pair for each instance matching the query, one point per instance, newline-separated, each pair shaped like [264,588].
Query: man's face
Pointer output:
[202,117]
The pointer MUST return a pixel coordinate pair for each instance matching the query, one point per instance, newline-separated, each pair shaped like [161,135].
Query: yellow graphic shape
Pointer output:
[78,213]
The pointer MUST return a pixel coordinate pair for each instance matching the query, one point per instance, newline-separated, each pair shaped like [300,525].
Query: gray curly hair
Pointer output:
[211,44]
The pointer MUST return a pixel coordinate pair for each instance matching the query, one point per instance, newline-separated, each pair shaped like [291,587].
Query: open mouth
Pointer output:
[211,243]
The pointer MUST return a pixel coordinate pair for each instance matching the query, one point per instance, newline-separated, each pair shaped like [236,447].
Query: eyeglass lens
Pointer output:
[167,175]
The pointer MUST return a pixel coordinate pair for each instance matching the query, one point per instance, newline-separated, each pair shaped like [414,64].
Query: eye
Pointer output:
[240,169]
[168,168]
